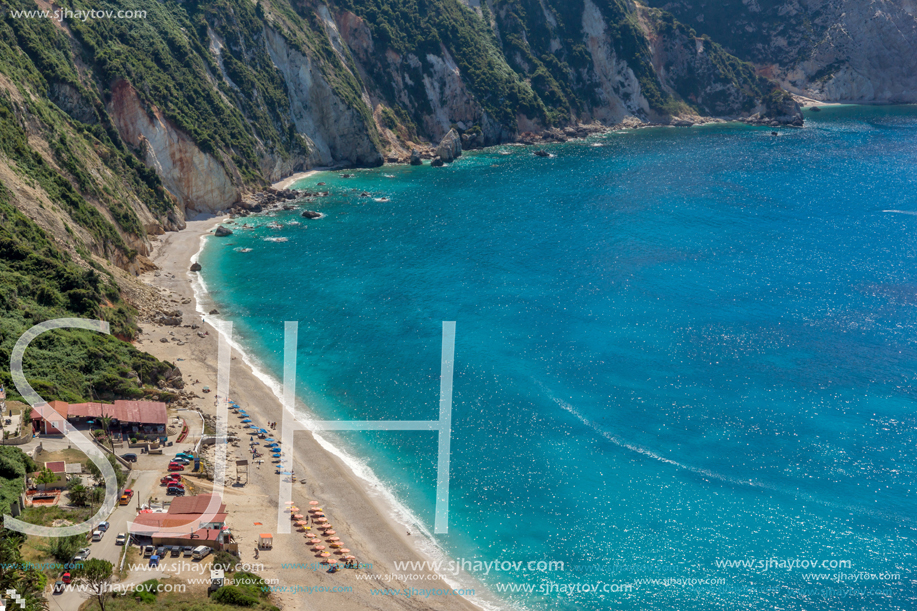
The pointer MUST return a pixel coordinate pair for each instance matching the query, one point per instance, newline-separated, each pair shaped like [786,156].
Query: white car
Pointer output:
[97,535]
[81,555]
[121,540]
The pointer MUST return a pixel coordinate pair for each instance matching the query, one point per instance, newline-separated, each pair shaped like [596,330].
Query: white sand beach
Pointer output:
[361,517]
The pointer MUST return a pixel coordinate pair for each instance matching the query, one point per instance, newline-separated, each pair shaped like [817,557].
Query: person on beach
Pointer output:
[256,553]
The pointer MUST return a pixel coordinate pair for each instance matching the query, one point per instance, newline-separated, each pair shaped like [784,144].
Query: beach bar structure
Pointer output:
[186,512]
[129,416]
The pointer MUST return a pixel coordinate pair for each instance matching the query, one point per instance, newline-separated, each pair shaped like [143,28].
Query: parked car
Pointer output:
[174,477]
[187,455]
[187,551]
[59,586]
[175,491]
[174,466]
[65,577]
[200,552]
[97,535]
[181,460]
[160,551]
[126,497]
[129,457]
[176,551]
[81,555]
[176,485]
[103,526]
[121,540]
[148,551]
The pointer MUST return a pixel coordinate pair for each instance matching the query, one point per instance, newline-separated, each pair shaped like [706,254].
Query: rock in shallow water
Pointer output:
[222,232]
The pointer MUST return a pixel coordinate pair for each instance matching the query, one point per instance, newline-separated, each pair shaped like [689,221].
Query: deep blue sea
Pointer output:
[676,349]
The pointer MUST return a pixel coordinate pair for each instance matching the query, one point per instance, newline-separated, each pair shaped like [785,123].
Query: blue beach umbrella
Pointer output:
[269,438]
[247,420]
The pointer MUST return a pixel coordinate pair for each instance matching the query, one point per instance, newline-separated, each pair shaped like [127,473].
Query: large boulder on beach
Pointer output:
[222,232]
[450,147]
[195,267]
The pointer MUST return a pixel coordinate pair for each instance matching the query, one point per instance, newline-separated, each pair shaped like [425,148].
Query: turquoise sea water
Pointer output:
[675,348]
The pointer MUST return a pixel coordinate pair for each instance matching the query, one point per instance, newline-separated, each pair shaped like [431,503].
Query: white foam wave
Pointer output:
[912,213]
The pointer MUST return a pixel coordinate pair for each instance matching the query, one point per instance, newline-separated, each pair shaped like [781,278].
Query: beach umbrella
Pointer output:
[297,516]
[333,538]
[344,550]
[269,438]
[294,508]
[246,420]
[313,502]
[319,547]
[301,522]
[289,503]
[350,557]
[332,561]
[329,531]
[325,554]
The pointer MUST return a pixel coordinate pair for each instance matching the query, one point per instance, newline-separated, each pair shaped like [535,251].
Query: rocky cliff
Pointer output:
[830,50]
[134,124]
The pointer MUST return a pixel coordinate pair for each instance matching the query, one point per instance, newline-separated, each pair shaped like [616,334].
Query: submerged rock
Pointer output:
[437,162]
[542,153]
[311,214]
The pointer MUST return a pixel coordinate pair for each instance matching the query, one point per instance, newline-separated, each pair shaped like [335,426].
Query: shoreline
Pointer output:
[289,181]
[363,515]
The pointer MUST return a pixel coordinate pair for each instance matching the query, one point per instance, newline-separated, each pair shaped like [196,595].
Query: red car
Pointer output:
[176,485]
[170,479]
[65,577]
[174,466]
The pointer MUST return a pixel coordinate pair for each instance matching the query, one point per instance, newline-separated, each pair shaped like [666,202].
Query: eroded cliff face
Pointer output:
[831,50]
[198,180]
[867,52]
[336,131]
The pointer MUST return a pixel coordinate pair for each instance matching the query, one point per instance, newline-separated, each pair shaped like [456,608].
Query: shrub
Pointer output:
[234,595]
[225,560]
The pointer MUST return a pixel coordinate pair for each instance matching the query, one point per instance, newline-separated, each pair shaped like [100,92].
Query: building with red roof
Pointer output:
[130,416]
[187,512]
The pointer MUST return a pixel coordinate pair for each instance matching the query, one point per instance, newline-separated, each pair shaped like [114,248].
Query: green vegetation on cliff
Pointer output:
[39,282]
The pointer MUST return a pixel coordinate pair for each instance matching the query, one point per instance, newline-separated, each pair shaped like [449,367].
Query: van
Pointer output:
[97,535]
[200,552]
